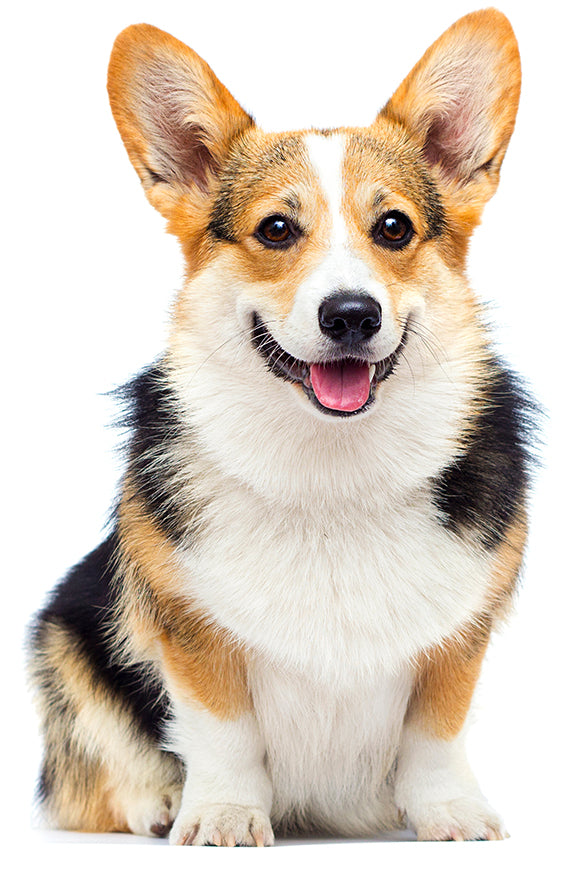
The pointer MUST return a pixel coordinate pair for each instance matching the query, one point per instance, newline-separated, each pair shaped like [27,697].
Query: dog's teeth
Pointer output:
[371,372]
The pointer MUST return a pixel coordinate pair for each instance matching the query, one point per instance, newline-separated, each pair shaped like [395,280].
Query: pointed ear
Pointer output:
[177,120]
[460,102]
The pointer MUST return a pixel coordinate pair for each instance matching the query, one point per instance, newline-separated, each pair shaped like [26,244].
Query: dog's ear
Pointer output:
[460,102]
[177,120]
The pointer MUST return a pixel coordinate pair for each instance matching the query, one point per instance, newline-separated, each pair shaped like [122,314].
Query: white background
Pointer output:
[88,278]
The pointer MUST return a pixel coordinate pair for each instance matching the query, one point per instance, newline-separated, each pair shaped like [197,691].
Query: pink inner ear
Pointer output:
[177,148]
[190,157]
[452,138]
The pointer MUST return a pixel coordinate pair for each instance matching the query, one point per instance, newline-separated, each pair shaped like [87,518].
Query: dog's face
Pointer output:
[326,248]
[313,257]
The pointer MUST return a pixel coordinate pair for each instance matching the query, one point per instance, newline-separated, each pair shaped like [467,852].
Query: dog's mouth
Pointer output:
[340,387]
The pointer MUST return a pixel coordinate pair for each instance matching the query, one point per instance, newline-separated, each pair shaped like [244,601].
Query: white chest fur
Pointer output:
[329,751]
[333,607]
[340,595]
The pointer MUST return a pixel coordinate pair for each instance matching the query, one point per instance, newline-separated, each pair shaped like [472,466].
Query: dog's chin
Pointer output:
[341,387]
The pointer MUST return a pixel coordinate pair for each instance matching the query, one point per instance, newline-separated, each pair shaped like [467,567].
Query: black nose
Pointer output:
[349,318]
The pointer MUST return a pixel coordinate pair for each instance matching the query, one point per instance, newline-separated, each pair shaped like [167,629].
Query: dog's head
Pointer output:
[313,256]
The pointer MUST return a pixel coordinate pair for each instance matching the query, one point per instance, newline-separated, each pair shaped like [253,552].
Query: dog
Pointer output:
[324,509]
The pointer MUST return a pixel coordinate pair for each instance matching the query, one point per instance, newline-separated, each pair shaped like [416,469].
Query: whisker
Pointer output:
[236,338]
[420,349]
[431,344]
[402,354]
[279,359]
[430,341]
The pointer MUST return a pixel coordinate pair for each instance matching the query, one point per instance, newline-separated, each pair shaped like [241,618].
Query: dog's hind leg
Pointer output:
[103,771]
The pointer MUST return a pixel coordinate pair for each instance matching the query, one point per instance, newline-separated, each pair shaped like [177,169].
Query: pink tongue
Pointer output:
[344,385]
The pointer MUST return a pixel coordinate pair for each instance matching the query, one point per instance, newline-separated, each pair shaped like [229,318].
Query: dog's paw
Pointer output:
[151,813]
[223,824]
[463,818]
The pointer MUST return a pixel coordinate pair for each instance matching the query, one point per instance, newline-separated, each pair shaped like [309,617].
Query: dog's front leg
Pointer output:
[435,786]
[227,792]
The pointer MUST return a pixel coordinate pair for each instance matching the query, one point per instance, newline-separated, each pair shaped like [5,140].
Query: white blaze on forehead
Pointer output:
[341,268]
[326,156]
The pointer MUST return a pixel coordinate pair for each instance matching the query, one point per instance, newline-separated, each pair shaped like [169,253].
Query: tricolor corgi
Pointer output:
[323,513]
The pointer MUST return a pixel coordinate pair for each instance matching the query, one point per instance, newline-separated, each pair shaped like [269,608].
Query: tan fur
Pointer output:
[421,99]
[199,101]
[193,655]
[207,669]
[446,681]
[84,801]
[424,92]
[507,566]
[84,727]
[215,110]
[150,574]
[448,675]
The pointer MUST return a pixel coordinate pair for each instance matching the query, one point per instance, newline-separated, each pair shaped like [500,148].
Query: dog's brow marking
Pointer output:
[326,156]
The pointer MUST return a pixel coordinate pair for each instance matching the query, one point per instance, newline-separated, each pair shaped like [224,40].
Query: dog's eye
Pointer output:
[394,230]
[276,231]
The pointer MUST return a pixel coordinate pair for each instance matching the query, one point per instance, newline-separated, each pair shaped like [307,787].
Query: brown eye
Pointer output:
[394,230]
[276,231]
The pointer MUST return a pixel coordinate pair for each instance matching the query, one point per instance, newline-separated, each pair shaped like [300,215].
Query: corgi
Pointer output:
[324,508]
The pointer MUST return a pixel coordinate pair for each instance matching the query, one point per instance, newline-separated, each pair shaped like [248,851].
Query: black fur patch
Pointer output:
[221,226]
[156,428]
[84,605]
[433,208]
[484,489]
